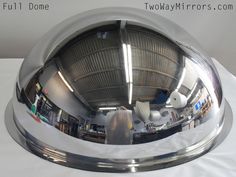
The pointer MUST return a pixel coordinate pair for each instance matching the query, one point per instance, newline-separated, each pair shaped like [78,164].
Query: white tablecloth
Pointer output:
[15,161]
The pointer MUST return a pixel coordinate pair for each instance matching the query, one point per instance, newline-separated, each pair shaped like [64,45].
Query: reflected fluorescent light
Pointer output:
[128,62]
[169,106]
[64,80]
[58,160]
[190,94]
[125,53]
[59,115]
[130,92]
[106,166]
[181,79]
[107,108]
[54,151]
[128,69]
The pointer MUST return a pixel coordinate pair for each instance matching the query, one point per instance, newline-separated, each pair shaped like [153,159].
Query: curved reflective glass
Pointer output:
[121,84]
[130,94]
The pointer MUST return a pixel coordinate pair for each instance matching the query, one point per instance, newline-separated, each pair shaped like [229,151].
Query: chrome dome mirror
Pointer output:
[117,90]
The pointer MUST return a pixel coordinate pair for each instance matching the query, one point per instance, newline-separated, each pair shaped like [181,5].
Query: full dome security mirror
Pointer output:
[117,90]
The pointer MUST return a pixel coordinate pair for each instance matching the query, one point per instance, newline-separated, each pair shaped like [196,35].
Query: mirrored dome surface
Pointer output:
[118,90]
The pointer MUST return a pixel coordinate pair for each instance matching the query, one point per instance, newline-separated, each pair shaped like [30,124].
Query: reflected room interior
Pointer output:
[119,84]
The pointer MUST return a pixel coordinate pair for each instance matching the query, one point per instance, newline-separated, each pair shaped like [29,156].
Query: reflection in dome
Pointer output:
[120,84]
[118,90]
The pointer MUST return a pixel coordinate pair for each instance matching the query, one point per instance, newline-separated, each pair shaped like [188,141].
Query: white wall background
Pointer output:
[215,30]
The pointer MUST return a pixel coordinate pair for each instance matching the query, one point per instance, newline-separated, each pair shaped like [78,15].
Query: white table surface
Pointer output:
[15,161]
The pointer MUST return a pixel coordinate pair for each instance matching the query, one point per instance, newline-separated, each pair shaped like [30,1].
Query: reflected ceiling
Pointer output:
[97,65]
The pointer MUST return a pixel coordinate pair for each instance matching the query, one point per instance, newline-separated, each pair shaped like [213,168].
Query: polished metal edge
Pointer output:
[118,165]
